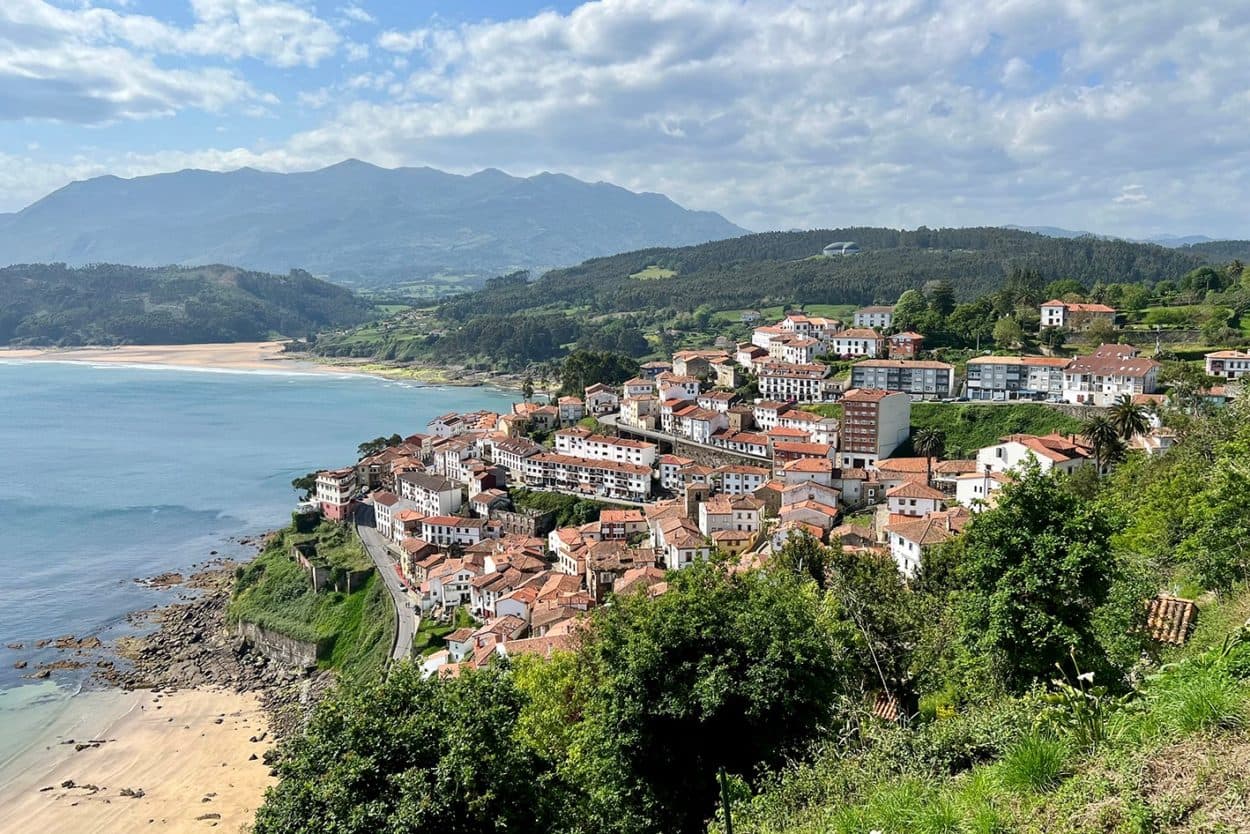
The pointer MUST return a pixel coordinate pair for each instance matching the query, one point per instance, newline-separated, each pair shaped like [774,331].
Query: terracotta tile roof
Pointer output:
[1079,307]
[1034,361]
[920,364]
[542,646]
[911,489]
[866,395]
[858,333]
[886,708]
[1170,619]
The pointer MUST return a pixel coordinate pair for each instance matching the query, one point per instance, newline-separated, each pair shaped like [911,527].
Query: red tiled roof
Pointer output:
[1170,619]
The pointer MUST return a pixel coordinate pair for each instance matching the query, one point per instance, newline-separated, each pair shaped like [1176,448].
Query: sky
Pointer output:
[1129,118]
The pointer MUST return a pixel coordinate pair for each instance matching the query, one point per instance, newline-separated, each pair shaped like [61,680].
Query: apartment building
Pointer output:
[874,423]
[1109,373]
[921,379]
[1015,377]
[794,383]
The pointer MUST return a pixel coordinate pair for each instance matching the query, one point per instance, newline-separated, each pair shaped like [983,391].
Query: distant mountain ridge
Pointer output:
[1170,241]
[353,222]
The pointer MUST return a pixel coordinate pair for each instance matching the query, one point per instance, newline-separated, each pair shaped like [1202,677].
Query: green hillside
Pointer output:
[108,304]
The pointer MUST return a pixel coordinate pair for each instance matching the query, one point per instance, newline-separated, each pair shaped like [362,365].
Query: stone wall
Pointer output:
[279,647]
[710,456]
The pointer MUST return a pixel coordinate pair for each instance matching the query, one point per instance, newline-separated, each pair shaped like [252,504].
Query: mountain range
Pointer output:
[353,222]
[1171,241]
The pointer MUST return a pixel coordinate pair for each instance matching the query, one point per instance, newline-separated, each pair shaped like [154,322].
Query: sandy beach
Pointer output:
[240,356]
[188,752]
[255,356]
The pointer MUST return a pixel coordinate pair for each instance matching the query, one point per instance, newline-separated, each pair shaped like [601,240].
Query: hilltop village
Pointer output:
[497,532]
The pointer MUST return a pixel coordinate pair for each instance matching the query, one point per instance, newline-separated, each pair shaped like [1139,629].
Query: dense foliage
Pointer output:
[105,304]
[786,268]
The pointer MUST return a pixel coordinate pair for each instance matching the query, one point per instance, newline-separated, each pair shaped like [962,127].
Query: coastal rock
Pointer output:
[14,646]
[21,664]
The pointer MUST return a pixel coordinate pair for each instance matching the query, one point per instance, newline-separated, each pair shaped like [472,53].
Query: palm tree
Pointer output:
[931,443]
[1128,418]
[1103,439]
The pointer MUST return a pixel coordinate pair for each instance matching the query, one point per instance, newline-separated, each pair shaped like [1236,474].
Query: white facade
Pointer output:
[875,317]
[431,495]
[858,342]
[581,443]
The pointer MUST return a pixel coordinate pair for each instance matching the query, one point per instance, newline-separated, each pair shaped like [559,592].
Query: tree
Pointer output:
[1008,333]
[1065,287]
[1100,332]
[1035,574]
[1187,384]
[931,443]
[1054,337]
[413,755]
[527,387]
[306,484]
[724,670]
[942,298]
[804,556]
[909,307]
[1128,418]
[377,444]
[1103,438]
[586,367]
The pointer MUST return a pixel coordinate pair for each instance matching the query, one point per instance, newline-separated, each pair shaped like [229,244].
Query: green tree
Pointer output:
[1128,418]
[1186,384]
[1054,337]
[942,298]
[724,670]
[1064,287]
[1104,440]
[1100,332]
[527,387]
[1035,573]
[306,484]
[586,367]
[931,443]
[1008,333]
[909,307]
[377,444]
[413,755]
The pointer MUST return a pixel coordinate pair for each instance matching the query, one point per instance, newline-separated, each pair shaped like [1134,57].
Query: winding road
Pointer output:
[405,616]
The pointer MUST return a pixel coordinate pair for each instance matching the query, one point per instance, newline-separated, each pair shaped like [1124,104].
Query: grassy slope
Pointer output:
[969,427]
[429,637]
[273,592]
[1175,757]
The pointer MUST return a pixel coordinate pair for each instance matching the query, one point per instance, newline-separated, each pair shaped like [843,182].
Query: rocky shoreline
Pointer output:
[190,647]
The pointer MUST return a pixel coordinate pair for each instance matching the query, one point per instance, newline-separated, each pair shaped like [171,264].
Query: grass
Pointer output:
[653,272]
[1035,763]
[354,631]
[336,546]
[429,637]
[972,426]
[1175,758]
[824,409]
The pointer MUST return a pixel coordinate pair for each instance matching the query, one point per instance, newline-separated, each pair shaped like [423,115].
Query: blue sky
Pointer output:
[1119,117]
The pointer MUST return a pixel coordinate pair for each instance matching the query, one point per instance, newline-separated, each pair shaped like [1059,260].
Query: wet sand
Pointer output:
[239,356]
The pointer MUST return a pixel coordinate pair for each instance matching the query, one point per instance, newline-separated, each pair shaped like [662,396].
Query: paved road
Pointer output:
[375,544]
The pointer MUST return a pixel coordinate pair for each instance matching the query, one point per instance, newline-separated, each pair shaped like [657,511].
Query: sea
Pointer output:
[111,473]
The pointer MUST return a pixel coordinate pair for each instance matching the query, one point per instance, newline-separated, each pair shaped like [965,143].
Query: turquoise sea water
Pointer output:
[109,473]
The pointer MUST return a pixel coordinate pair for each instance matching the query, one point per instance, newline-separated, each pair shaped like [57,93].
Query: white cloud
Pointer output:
[898,112]
[356,14]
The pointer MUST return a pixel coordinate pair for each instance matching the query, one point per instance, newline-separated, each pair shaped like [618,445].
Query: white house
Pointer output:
[878,317]
[1052,451]
[910,539]
[431,494]
[1109,373]
[1228,364]
[914,500]
[600,399]
[857,342]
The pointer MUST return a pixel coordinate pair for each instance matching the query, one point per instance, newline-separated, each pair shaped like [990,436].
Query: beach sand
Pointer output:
[242,356]
[171,746]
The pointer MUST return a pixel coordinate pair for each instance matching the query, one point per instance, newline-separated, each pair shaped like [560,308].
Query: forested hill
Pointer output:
[1221,250]
[786,267]
[106,304]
